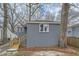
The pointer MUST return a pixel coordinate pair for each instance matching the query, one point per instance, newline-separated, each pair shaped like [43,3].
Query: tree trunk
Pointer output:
[29,11]
[5,23]
[64,21]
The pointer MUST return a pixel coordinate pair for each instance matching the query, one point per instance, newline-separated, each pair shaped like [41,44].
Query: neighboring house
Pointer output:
[73,30]
[21,28]
[42,34]
[9,34]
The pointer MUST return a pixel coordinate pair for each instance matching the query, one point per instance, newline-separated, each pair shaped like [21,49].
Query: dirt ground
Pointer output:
[35,53]
[43,52]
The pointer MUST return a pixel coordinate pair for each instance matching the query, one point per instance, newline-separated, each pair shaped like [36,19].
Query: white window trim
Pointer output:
[44,25]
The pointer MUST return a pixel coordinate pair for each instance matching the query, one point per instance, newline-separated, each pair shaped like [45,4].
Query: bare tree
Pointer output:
[5,23]
[29,11]
[11,16]
[50,16]
[64,21]
[33,7]
[15,17]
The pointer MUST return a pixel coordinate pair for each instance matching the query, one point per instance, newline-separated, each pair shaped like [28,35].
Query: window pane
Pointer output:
[44,27]
[25,29]
[41,27]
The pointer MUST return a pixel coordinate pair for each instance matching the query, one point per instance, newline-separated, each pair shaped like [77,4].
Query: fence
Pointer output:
[73,41]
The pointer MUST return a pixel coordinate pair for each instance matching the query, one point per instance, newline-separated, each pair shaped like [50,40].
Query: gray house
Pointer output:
[73,30]
[21,29]
[42,34]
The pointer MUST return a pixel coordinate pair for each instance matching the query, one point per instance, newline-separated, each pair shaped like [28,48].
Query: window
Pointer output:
[25,29]
[21,29]
[69,32]
[17,29]
[43,27]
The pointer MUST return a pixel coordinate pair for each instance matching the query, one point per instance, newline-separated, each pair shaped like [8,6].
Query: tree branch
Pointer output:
[35,10]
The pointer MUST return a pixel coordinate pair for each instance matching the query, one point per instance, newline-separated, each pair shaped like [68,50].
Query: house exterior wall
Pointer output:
[19,31]
[42,39]
[69,32]
[75,31]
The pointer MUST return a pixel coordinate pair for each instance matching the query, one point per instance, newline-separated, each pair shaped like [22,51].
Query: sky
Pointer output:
[52,7]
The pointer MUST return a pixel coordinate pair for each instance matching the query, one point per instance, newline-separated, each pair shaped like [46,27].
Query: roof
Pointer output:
[43,21]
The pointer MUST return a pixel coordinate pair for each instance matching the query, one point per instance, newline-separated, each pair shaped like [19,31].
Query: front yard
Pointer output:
[52,52]
[42,53]
[37,53]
